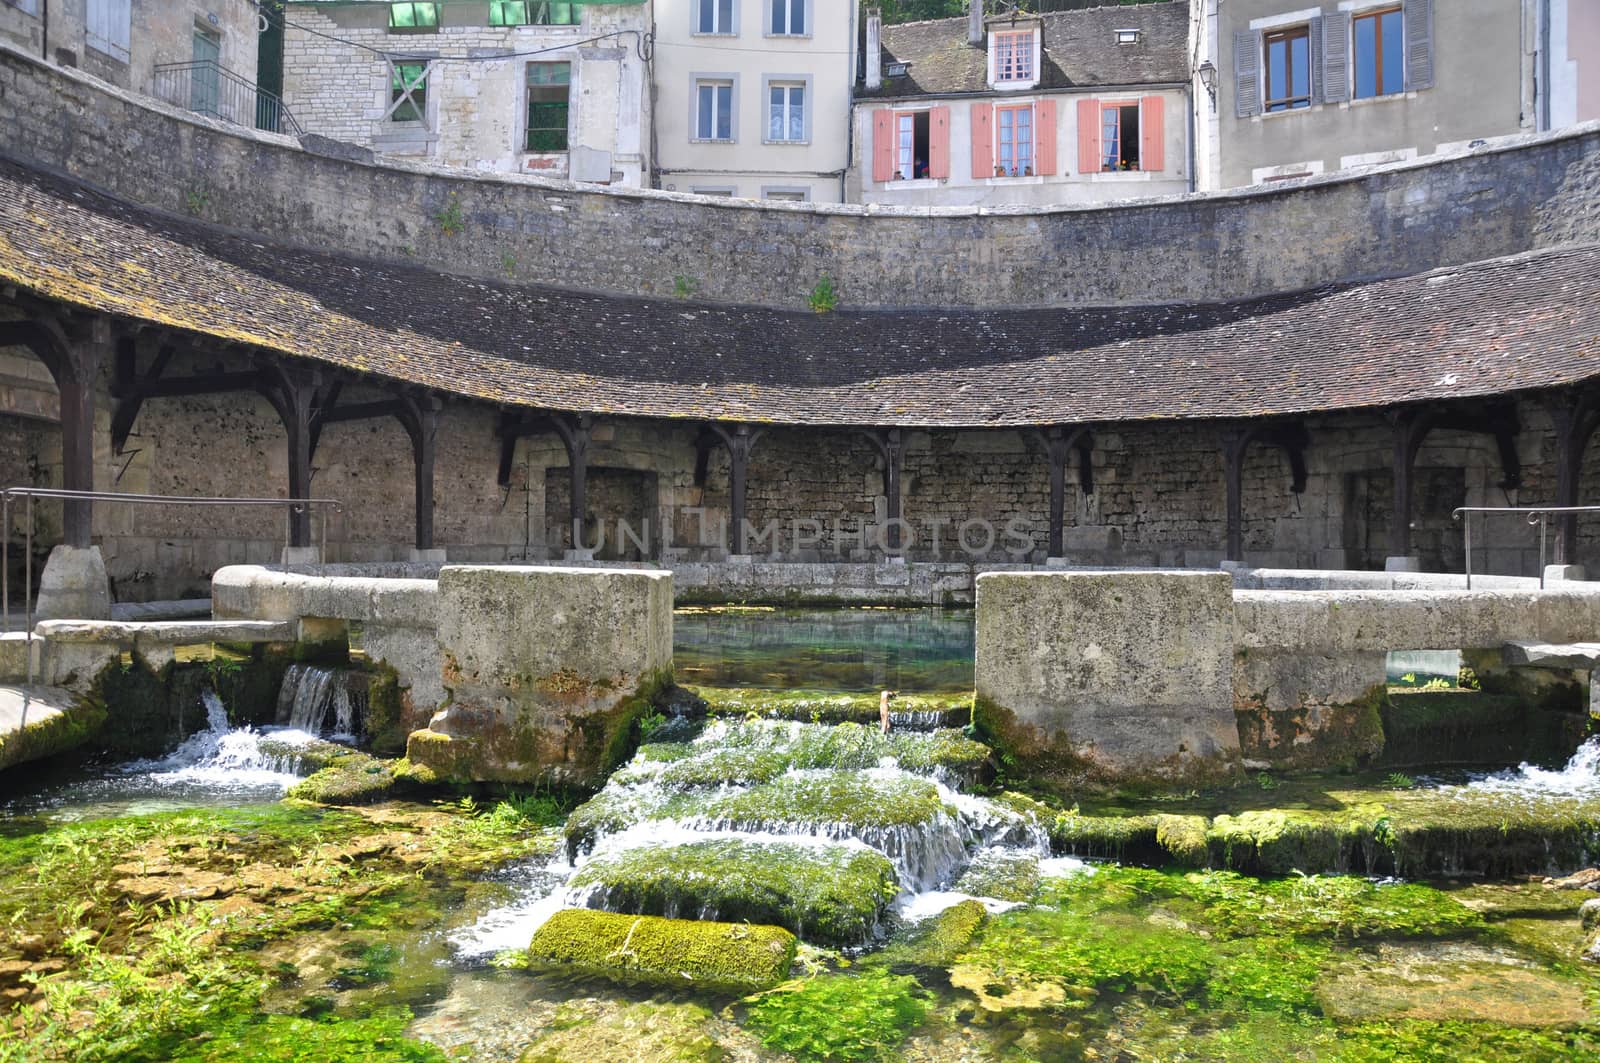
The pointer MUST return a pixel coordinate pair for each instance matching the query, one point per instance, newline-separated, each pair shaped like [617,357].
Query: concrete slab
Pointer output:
[1572,656]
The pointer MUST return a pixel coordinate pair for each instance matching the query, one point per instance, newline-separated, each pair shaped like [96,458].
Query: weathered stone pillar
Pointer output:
[546,671]
[1115,676]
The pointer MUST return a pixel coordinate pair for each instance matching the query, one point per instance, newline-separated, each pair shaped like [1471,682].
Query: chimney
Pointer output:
[974,22]
[873,54]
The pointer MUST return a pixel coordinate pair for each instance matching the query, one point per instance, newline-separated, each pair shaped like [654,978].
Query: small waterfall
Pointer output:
[1580,776]
[321,700]
[226,758]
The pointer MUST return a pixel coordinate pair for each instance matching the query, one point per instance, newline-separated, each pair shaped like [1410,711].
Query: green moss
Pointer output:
[1443,727]
[351,779]
[379,1037]
[828,707]
[1105,837]
[756,751]
[1313,737]
[385,723]
[1276,842]
[70,729]
[661,1033]
[936,942]
[1002,876]
[1184,837]
[733,956]
[841,1018]
[850,798]
[828,894]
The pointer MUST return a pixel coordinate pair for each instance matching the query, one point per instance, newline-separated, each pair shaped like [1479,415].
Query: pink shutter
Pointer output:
[1088,136]
[1044,121]
[1152,134]
[882,144]
[939,142]
[982,141]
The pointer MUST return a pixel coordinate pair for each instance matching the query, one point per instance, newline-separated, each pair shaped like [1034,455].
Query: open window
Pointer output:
[911,145]
[1119,136]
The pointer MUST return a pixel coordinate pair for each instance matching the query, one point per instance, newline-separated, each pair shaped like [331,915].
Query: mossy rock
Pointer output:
[1123,838]
[674,952]
[351,779]
[584,1031]
[1278,842]
[829,894]
[849,798]
[936,942]
[829,707]
[1002,876]
[78,722]
[1184,837]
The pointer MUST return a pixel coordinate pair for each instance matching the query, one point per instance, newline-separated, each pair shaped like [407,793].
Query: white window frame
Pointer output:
[994,60]
[730,30]
[696,80]
[1030,106]
[803,191]
[809,105]
[805,13]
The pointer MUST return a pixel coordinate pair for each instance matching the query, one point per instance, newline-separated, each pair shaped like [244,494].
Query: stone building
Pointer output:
[127,42]
[753,97]
[1283,90]
[526,86]
[1269,375]
[1082,106]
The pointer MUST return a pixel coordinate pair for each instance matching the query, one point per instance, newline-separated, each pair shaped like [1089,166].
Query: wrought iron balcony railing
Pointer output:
[209,88]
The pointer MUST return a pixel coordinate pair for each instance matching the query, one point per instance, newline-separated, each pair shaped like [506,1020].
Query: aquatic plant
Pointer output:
[936,942]
[840,1018]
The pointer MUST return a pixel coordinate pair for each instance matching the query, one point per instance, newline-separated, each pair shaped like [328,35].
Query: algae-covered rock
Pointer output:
[827,893]
[1112,837]
[1277,842]
[731,956]
[829,707]
[1185,838]
[936,942]
[351,779]
[43,722]
[753,751]
[660,1033]
[1001,875]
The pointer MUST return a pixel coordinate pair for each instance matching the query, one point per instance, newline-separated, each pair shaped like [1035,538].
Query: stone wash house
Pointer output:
[1287,90]
[1077,106]
[512,86]
[199,54]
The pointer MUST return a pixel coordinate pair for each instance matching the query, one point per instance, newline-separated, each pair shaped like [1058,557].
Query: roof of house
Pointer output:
[1080,50]
[1529,321]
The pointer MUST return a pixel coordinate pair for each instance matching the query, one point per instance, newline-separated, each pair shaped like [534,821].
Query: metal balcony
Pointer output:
[206,87]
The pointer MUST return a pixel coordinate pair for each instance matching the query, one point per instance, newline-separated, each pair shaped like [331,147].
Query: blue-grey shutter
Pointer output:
[1247,74]
[1336,58]
[1418,19]
[1314,59]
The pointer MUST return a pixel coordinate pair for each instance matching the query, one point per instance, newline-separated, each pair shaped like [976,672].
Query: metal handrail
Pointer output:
[1537,515]
[292,506]
[206,87]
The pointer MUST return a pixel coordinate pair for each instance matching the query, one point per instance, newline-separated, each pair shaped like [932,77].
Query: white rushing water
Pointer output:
[1580,777]
[656,808]
[225,759]
[320,700]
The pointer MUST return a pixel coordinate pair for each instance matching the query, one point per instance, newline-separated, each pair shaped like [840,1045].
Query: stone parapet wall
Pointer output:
[1535,192]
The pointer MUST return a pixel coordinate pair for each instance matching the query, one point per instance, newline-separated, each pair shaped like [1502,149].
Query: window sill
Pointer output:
[1036,179]
[697,33]
[713,140]
[1293,111]
[1123,175]
[788,143]
[1388,97]
[1014,86]
[787,36]
[912,183]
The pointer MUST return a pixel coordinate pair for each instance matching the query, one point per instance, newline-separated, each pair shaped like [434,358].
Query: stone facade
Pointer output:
[474,110]
[1487,203]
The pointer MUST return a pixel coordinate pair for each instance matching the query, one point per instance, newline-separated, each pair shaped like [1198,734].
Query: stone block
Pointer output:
[74,586]
[1312,710]
[1280,618]
[1120,675]
[1564,574]
[1408,563]
[1569,615]
[15,649]
[545,670]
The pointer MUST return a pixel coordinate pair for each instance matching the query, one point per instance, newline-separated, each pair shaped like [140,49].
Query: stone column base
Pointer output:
[578,555]
[1564,573]
[302,555]
[432,556]
[74,586]
[1409,563]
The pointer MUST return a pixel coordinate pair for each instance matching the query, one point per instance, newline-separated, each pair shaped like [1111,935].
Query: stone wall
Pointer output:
[1493,201]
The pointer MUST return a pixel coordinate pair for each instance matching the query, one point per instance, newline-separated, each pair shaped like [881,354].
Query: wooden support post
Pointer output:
[1411,427]
[1059,443]
[89,349]
[294,393]
[740,440]
[891,448]
[1235,442]
[419,415]
[574,431]
[1575,415]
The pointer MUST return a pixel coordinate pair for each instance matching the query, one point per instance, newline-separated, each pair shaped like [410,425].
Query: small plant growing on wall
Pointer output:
[823,298]
[508,263]
[450,219]
[683,287]
[196,201]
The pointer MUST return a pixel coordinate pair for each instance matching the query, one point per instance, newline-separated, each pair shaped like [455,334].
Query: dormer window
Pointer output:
[1011,57]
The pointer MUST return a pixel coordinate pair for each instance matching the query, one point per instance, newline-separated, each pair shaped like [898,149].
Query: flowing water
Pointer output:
[320,700]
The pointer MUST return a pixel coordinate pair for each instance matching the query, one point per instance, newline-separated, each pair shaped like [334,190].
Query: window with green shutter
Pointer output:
[413,17]
[548,86]
[534,13]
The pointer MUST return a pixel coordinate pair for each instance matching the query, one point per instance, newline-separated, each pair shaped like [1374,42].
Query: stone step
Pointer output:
[1581,656]
[37,722]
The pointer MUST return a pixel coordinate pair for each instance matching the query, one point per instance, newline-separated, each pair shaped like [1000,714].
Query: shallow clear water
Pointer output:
[913,650]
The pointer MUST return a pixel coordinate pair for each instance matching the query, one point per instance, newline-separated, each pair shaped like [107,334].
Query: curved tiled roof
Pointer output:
[1505,325]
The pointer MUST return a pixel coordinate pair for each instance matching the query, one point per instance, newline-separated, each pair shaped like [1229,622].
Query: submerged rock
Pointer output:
[1001,875]
[829,893]
[660,1033]
[732,956]
[936,942]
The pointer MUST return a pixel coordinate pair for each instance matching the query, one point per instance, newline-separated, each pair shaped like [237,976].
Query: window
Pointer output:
[408,92]
[107,27]
[789,18]
[786,195]
[409,17]
[1380,53]
[1119,136]
[548,85]
[713,16]
[786,112]
[1014,141]
[1013,55]
[1288,56]
[713,110]
[534,13]
[911,145]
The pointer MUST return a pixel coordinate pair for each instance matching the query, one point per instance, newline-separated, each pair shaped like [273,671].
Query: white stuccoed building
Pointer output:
[753,97]
[520,86]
